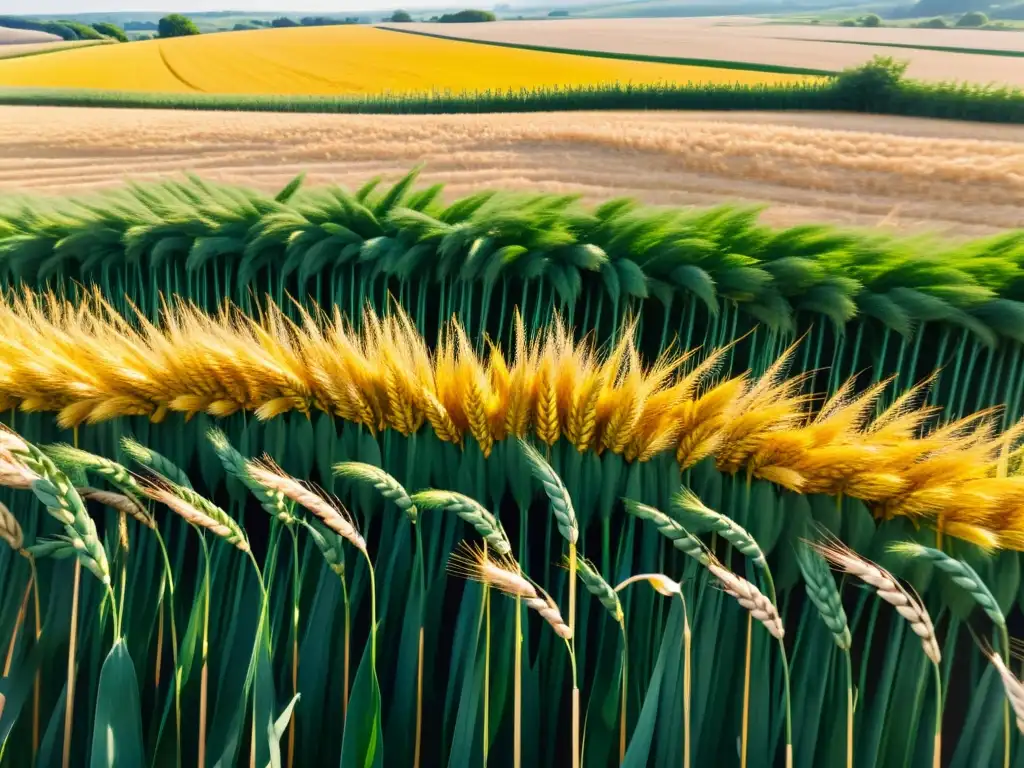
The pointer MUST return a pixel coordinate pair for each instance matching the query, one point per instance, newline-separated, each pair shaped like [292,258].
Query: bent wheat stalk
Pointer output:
[1012,686]
[908,606]
[663,585]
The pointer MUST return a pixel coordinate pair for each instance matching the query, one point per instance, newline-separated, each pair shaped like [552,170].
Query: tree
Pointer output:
[176,25]
[937,23]
[284,21]
[467,16]
[400,17]
[871,87]
[973,19]
[848,23]
[113,31]
[871,20]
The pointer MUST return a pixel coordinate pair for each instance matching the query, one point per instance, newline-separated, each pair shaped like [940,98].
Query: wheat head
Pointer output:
[501,572]
[386,485]
[470,510]
[822,591]
[751,598]
[1012,686]
[189,505]
[10,530]
[599,588]
[272,478]
[884,583]
[687,502]
[119,502]
[681,539]
[554,489]
[234,464]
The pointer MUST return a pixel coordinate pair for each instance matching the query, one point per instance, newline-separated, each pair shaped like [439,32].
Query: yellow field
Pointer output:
[337,60]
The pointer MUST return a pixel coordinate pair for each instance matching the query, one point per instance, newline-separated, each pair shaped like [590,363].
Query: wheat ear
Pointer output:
[681,538]
[470,561]
[822,591]
[599,588]
[386,485]
[62,501]
[272,478]
[751,598]
[196,510]
[235,465]
[10,530]
[706,519]
[1013,687]
[70,458]
[472,512]
[884,583]
[156,462]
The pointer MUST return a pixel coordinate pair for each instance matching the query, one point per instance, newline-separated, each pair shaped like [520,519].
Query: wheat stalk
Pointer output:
[470,510]
[119,502]
[116,474]
[554,489]
[470,561]
[386,485]
[273,479]
[156,462]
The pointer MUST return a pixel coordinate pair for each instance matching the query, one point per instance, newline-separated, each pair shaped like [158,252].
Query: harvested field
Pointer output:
[759,43]
[10,36]
[340,61]
[14,50]
[960,178]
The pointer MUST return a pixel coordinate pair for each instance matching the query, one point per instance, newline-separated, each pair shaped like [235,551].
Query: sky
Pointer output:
[333,7]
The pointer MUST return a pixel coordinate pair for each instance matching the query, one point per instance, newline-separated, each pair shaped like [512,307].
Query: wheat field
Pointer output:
[342,61]
[752,41]
[850,169]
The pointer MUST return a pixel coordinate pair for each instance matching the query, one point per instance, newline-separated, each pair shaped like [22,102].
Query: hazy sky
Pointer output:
[99,6]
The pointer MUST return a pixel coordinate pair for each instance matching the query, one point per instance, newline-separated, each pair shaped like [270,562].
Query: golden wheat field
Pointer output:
[338,60]
[961,178]
[755,42]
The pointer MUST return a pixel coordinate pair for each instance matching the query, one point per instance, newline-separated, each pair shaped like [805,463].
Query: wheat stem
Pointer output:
[937,750]
[69,705]
[169,579]
[204,675]
[686,682]
[849,708]
[17,627]
[296,595]
[624,704]
[347,647]
[419,662]
[746,695]
[487,668]
[38,683]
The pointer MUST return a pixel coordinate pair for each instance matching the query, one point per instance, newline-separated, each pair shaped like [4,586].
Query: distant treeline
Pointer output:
[66,30]
[463,17]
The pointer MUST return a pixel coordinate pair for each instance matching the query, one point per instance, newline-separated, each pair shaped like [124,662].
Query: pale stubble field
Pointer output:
[959,178]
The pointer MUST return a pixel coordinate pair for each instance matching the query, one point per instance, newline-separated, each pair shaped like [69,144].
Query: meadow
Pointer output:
[348,61]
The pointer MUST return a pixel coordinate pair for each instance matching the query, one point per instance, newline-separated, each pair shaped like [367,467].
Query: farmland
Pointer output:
[752,42]
[342,61]
[377,399]
[848,169]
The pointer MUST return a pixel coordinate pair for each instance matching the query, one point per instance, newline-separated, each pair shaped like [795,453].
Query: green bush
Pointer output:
[936,23]
[113,31]
[468,16]
[872,87]
[973,19]
[848,23]
[284,21]
[400,17]
[176,25]
[871,20]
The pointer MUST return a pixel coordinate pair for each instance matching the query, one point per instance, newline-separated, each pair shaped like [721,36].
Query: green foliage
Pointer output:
[937,23]
[107,29]
[82,31]
[870,20]
[972,19]
[58,28]
[283,21]
[874,86]
[176,25]
[467,16]
[399,17]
